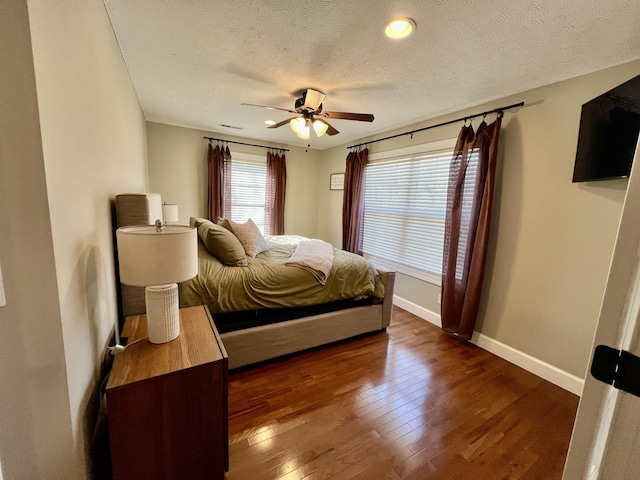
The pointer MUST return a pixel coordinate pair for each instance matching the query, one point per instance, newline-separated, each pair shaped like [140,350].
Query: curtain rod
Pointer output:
[468,117]
[211,139]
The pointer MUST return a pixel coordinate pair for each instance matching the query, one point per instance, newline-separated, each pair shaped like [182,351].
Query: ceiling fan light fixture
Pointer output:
[320,127]
[300,127]
[400,28]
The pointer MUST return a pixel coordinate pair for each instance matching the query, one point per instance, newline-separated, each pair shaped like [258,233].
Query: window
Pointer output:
[468,190]
[248,189]
[404,212]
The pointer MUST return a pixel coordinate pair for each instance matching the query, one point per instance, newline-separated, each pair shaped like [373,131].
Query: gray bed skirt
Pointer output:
[257,344]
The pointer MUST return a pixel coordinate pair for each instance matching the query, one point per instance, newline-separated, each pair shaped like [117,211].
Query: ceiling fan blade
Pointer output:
[269,107]
[330,131]
[361,117]
[313,99]
[284,122]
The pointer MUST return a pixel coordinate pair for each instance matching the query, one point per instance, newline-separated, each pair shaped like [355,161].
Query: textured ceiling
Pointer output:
[193,62]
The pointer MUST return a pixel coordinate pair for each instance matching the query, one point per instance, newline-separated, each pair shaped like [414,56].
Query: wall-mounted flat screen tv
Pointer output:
[609,127]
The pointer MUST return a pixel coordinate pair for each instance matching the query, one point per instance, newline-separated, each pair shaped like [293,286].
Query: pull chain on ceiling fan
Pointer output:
[311,115]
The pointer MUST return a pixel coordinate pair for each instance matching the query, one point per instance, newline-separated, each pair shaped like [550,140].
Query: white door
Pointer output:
[606,437]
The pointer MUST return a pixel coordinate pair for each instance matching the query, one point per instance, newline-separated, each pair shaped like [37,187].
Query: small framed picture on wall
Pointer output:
[337,181]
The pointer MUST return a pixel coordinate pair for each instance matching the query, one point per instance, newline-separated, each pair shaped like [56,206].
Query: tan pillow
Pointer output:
[223,222]
[196,222]
[250,237]
[222,244]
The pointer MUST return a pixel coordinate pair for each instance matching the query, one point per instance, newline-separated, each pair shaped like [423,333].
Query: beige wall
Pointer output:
[75,139]
[178,171]
[551,240]
[35,421]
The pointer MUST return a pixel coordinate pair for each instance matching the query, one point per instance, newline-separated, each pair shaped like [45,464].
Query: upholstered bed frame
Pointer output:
[256,344]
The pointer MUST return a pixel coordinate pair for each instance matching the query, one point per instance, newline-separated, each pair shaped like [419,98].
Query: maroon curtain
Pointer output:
[275,194]
[353,201]
[470,193]
[219,183]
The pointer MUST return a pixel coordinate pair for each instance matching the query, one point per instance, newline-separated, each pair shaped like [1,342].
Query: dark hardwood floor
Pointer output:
[411,403]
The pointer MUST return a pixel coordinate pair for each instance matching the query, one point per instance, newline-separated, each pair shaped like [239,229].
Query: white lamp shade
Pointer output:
[300,127]
[170,212]
[148,257]
[320,128]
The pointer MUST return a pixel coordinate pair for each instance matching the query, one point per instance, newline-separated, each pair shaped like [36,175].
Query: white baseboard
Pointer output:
[417,310]
[534,365]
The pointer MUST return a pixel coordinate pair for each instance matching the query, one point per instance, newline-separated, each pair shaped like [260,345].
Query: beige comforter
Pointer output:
[268,283]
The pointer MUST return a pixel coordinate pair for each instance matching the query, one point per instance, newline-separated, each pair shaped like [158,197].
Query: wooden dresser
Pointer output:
[167,403]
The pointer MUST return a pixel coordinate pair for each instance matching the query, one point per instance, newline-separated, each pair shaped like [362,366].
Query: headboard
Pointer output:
[136,209]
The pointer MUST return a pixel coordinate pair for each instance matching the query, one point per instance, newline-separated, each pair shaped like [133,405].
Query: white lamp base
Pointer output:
[163,315]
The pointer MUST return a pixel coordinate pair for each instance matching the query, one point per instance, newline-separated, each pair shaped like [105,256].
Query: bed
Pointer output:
[288,310]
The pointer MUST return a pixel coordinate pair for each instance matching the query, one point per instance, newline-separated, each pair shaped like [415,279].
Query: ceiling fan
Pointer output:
[310,115]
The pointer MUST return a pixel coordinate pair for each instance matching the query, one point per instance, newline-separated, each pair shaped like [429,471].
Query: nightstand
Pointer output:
[167,403]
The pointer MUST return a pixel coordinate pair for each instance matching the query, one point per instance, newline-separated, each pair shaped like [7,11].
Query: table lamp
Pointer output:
[170,213]
[157,257]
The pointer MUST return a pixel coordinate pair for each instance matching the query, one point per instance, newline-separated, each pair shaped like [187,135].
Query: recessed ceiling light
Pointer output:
[400,28]
[269,122]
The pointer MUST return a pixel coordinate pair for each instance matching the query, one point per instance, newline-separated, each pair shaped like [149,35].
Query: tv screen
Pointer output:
[609,127]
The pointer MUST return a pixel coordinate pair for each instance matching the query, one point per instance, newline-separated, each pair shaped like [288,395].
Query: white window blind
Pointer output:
[248,190]
[404,211]
[468,189]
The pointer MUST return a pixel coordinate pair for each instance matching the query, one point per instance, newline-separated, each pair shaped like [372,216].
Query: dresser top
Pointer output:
[197,344]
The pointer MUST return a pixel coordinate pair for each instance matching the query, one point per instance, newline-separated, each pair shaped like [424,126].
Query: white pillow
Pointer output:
[250,237]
